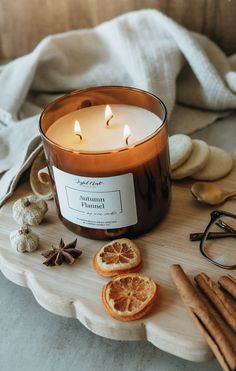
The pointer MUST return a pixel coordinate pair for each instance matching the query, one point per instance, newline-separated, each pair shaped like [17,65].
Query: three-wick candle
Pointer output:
[108,163]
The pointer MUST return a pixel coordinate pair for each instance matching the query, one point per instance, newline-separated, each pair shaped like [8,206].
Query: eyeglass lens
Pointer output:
[221,250]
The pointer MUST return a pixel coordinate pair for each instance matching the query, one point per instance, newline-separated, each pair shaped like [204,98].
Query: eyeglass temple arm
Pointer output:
[211,235]
[225,226]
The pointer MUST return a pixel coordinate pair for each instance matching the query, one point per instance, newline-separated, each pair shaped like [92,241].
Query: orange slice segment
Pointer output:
[116,257]
[129,296]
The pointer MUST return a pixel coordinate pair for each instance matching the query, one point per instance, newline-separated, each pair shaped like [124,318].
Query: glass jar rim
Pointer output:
[75,92]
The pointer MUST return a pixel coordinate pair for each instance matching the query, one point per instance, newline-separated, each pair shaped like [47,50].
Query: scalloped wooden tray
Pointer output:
[74,291]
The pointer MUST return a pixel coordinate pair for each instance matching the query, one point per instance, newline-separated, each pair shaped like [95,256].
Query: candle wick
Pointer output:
[79,135]
[127,140]
[107,123]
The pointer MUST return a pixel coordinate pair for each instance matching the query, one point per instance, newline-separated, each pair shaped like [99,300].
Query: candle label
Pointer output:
[100,203]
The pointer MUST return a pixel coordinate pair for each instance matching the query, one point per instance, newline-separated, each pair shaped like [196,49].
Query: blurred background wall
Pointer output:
[23,23]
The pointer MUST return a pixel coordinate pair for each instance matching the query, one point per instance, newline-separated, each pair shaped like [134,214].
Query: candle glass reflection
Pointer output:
[141,168]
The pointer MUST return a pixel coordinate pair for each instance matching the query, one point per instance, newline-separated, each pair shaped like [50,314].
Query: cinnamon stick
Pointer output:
[229,284]
[222,303]
[204,319]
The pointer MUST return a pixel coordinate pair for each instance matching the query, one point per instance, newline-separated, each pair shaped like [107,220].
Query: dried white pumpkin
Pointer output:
[29,210]
[24,239]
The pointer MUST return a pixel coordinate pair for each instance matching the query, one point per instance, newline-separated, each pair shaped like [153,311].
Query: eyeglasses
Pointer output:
[218,241]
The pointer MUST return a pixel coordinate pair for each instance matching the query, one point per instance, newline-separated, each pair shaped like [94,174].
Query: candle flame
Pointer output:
[77,129]
[108,114]
[127,133]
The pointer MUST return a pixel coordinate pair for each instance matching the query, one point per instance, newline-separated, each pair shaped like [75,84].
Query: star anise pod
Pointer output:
[64,253]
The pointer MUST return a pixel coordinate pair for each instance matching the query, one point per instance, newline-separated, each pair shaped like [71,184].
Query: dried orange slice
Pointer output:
[129,296]
[118,256]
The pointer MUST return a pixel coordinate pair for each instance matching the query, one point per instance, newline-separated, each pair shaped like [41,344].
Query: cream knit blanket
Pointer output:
[144,49]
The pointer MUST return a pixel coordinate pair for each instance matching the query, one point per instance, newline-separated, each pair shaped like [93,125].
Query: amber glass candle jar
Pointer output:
[108,193]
